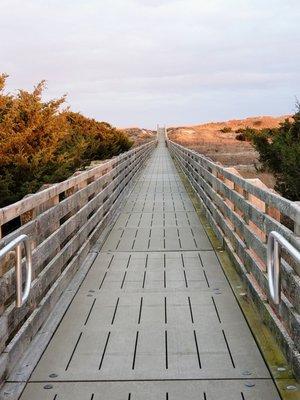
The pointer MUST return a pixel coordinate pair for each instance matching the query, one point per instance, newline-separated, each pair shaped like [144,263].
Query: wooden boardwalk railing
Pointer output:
[62,222]
[154,317]
[242,215]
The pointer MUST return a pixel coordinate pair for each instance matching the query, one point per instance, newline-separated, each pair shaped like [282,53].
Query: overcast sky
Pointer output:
[139,62]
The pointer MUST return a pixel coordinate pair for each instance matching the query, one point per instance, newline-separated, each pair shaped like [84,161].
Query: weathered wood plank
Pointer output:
[12,211]
[285,206]
[48,285]
[254,214]
[289,309]
[54,254]
[47,248]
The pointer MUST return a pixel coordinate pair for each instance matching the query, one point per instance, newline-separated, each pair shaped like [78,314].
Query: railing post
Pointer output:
[215,174]
[297,219]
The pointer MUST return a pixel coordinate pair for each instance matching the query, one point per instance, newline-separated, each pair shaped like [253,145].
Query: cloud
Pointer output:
[138,61]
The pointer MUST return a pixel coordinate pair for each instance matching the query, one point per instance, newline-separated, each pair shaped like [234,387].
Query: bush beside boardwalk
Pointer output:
[43,142]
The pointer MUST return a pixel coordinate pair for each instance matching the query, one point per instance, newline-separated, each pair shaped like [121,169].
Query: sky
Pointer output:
[143,62]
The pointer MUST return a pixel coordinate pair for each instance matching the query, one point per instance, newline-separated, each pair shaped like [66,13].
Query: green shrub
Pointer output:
[279,152]
[246,134]
[241,137]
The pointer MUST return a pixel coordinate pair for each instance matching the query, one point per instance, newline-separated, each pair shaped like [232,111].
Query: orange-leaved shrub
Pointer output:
[42,142]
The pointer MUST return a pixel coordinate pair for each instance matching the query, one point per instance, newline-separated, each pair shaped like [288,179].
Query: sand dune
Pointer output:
[223,147]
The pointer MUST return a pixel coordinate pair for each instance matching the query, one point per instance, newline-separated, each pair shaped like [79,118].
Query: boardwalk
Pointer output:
[155,317]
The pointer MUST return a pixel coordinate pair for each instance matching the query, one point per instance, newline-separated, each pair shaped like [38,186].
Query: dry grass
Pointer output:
[208,139]
[139,136]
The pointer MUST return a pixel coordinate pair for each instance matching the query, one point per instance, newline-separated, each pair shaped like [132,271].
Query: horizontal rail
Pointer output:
[16,245]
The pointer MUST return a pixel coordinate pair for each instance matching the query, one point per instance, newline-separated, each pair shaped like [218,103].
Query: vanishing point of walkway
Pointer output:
[155,318]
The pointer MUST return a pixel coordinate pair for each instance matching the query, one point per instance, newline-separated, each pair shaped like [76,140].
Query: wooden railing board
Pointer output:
[46,248]
[12,211]
[244,227]
[286,207]
[237,221]
[240,248]
[64,232]
[253,213]
[36,227]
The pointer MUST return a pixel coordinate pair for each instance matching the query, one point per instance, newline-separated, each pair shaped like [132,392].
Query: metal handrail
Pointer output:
[16,245]
[275,243]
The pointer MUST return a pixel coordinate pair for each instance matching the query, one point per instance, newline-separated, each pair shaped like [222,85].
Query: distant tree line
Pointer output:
[279,152]
[40,142]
